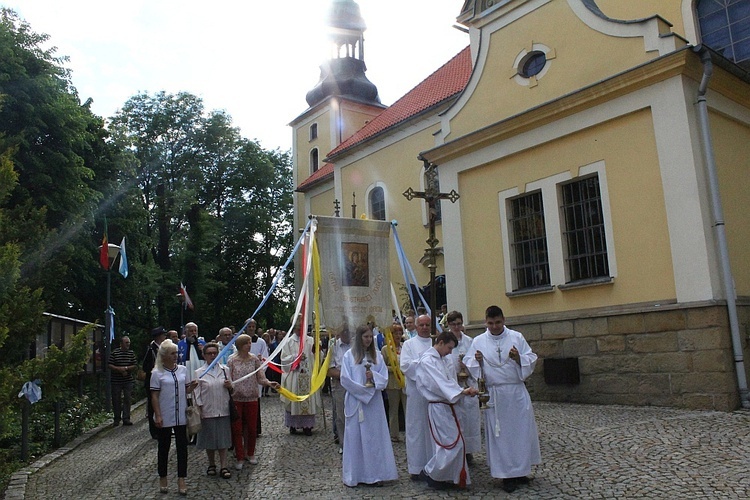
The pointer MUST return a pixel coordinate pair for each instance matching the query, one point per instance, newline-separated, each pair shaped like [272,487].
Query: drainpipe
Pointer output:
[717,213]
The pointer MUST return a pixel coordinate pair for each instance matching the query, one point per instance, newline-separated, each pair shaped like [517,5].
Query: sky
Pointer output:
[254,59]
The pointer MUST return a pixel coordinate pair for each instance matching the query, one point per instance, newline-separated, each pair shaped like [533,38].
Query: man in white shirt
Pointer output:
[419,446]
[410,327]
[225,337]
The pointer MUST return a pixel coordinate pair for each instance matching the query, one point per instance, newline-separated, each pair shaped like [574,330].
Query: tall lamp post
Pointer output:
[112,252]
[432,197]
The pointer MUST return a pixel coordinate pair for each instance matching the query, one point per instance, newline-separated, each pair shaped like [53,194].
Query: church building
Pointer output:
[600,149]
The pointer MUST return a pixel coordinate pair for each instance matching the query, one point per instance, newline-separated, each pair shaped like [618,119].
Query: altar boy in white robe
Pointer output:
[436,381]
[510,428]
[467,408]
[368,453]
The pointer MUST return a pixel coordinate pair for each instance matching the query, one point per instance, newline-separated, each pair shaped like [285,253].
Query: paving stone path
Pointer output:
[589,452]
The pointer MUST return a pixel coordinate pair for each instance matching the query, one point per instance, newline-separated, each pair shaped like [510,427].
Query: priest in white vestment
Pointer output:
[510,428]
[436,381]
[368,453]
[419,446]
[297,378]
[467,408]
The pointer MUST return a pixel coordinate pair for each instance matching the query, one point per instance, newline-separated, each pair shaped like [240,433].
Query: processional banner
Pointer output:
[355,272]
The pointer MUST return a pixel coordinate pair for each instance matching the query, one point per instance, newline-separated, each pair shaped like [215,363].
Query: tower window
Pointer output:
[314,160]
[313,131]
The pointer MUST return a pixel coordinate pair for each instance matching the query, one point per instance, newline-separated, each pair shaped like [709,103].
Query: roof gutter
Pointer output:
[717,213]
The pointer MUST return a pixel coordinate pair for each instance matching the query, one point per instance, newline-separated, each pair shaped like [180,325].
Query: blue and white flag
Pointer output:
[123,259]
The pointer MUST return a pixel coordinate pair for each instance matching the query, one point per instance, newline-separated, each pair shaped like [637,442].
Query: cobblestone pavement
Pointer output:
[588,452]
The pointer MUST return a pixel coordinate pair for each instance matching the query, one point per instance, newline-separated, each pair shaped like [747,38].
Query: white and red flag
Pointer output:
[185,297]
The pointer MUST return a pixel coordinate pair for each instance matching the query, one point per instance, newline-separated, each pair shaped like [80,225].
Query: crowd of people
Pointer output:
[374,375]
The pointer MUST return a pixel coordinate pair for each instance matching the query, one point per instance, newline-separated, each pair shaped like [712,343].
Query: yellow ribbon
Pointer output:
[319,372]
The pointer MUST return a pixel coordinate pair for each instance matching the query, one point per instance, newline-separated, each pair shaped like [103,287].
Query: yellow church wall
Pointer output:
[732,154]
[398,168]
[352,121]
[305,145]
[644,266]
[578,50]
[640,9]
[322,204]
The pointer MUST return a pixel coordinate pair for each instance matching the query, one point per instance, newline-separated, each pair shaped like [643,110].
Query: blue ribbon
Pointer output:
[408,272]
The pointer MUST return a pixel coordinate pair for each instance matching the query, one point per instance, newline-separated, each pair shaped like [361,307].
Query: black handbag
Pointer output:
[233,413]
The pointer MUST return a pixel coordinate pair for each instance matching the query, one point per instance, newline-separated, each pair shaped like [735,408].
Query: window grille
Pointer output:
[583,232]
[530,259]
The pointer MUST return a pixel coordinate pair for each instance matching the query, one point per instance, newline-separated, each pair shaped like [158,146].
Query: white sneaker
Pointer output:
[239,465]
[253,460]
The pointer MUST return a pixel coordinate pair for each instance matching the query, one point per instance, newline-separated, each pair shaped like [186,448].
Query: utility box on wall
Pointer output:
[561,371]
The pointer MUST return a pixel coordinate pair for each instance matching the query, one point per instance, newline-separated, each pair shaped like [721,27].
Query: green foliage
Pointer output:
[57,371]
[197,202]
[50,154]
[216,209]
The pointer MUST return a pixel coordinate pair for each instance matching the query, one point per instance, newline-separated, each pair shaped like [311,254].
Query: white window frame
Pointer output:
[551,199]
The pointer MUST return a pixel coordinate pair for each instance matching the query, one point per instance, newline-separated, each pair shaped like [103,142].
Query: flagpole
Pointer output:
[107,346]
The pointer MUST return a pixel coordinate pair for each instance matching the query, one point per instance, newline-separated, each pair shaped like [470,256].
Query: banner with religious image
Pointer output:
[355,281]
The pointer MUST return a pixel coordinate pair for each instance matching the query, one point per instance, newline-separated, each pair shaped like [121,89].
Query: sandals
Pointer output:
[224,472]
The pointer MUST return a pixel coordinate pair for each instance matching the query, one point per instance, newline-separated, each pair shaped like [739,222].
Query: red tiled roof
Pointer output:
[446,82]
[325,171]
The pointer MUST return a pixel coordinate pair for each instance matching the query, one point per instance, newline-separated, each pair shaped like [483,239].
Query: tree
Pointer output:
[163,134]
[46,205]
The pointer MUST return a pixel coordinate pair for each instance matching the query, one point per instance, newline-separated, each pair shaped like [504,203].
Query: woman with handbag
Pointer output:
[246,394]
[213,396]
[167,380]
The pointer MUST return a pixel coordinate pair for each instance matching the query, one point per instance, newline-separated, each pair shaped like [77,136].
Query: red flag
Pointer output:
[185,297]
[104,252]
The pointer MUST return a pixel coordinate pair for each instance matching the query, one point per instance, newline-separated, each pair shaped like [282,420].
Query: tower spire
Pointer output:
[344,73]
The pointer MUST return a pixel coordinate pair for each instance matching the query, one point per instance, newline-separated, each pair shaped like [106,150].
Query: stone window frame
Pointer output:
[522,58]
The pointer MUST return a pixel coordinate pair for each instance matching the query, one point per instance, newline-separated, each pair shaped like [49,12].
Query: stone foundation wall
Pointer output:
[663,356]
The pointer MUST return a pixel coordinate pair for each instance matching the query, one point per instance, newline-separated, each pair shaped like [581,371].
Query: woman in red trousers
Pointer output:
[245,397]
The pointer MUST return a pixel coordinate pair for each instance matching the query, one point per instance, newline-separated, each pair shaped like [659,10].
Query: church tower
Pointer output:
[340,104]
[344,74]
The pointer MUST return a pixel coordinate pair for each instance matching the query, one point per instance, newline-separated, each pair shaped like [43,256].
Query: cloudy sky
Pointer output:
[255,59]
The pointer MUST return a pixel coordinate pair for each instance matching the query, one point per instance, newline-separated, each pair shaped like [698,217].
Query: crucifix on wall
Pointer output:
[432,196]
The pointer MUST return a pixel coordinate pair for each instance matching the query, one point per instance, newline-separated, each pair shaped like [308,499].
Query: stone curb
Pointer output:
[17,486]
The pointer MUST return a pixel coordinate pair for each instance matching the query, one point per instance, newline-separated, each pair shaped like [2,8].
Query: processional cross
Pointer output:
[432,197]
